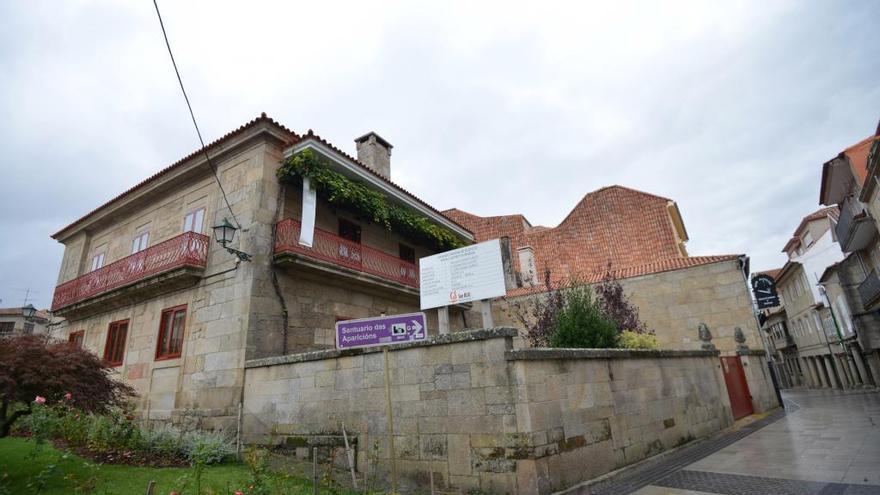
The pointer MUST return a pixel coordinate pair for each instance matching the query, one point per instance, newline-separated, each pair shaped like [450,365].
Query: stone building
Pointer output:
[849,181]
[639,239]
[780,342]
[14,322]
[142,284]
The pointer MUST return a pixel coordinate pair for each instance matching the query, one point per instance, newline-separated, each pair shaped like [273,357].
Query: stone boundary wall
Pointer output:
[482,415]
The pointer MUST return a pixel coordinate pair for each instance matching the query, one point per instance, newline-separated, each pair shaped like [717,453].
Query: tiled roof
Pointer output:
[771,273]
[858,157]
[631,231]
[629,272]
[293,138]
[179,163]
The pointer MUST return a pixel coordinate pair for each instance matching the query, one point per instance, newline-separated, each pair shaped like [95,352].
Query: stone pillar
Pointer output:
[860,365]
[829,367]
[853,372]
[820,371]
[809,373]
[873,360]
[842,371]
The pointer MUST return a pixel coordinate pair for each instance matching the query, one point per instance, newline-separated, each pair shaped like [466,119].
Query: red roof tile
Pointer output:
[631,231]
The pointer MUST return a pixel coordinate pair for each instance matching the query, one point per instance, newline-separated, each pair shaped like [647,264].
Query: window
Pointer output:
[98,261]
[28,328]
[193,221]
[6,327]
[139,243]
[77,338]
[171,333]
[808,239]
[407,253]
[350,231]
[114,349]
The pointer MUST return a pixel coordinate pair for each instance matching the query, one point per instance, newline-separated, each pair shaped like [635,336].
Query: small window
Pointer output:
[6,327]
[139,243]
[77,338]
[114,349]
[407,253]
[349,231]
[171,333]
[808,239]
[28,328]
[98,261]
[194,220]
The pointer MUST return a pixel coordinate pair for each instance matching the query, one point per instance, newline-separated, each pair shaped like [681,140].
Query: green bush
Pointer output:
[205,448]
[633,340]
[113,431]
[163,443]
[581,324]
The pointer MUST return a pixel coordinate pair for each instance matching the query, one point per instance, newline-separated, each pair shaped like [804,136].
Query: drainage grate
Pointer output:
[737,484]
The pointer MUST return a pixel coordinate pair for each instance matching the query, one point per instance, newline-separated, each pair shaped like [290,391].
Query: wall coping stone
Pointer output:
[568,353]
[450,338]
[750,352]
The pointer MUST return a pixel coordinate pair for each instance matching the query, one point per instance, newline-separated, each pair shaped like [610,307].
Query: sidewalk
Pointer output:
[825,442]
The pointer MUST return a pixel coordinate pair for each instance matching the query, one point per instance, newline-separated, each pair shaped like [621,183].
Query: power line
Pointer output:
[193,116]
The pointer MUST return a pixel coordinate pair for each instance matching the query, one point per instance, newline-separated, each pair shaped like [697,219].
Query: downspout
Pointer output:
[275,284]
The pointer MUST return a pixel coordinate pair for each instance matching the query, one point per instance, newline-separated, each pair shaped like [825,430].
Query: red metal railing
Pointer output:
[335,249]
[187,249]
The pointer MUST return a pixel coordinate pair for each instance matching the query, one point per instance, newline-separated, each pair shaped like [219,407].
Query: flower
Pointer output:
[68,396]
[239,492]
[40,400]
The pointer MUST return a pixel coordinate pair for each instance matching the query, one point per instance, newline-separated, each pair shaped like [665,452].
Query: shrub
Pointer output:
[33,368]
[204,448]
[162,442]
[580,322]
[113,431]
[633,340]
[616,306]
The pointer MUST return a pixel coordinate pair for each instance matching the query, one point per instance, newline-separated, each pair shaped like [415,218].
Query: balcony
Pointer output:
[869,289]
[855,226]
[343,256]
[169,265]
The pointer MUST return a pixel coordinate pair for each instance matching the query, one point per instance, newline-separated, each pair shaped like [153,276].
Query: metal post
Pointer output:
[315,470]
[390,415]
[354,482]
[443,319]
[486,312]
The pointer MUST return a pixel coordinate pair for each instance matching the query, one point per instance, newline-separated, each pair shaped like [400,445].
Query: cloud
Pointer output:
[510,107]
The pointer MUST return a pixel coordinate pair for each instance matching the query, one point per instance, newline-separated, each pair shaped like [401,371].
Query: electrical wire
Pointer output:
[193,116]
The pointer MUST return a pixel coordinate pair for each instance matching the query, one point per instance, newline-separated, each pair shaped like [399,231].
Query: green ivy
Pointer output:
[358,198]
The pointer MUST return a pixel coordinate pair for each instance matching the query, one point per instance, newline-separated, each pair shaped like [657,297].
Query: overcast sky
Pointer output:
[492,108]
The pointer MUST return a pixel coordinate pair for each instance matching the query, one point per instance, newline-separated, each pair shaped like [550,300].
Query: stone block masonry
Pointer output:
[482,415]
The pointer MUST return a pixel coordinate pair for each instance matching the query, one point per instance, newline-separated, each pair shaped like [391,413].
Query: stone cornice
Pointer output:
[550,354]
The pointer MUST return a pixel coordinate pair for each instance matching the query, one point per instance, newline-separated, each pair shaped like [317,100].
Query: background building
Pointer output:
[13,322]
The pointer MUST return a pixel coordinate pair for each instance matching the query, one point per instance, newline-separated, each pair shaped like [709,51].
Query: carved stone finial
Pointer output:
[740,339]
[706,337]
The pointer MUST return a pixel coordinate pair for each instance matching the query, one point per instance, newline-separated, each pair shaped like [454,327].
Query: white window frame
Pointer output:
[189,220]
[140,241]
[98,259]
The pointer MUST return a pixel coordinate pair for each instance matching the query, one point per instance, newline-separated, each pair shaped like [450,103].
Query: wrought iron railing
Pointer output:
[869,289]
[187,249]
[334,249]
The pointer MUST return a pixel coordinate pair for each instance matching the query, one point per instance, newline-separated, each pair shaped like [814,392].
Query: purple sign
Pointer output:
[382,330]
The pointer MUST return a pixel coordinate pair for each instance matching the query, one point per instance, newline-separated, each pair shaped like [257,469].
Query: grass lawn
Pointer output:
[22,471]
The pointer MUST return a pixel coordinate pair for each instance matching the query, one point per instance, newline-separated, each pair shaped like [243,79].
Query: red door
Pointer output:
[737,388]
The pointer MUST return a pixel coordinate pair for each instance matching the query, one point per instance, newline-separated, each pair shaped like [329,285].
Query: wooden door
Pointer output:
[737,388]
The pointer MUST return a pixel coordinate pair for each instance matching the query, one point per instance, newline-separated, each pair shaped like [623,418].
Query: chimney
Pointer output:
[528,269]
[375,152]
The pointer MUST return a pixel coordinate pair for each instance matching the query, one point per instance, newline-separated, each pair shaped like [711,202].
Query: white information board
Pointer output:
[462,275]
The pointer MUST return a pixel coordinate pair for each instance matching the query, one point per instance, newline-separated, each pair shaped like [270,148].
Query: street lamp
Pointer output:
[224,233]
[28,312]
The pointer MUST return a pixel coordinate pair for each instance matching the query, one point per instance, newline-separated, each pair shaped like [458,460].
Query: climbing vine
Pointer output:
[358,198]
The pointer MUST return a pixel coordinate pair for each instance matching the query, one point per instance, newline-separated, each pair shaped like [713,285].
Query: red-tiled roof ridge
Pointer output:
[261,119]
[772,273]
[311,135]
[662,266]
[597,192]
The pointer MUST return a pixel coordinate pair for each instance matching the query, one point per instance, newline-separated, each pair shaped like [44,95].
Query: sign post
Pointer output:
[383,331]
[471,273]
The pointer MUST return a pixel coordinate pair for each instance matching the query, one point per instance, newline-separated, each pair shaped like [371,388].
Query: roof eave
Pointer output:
[374,180]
